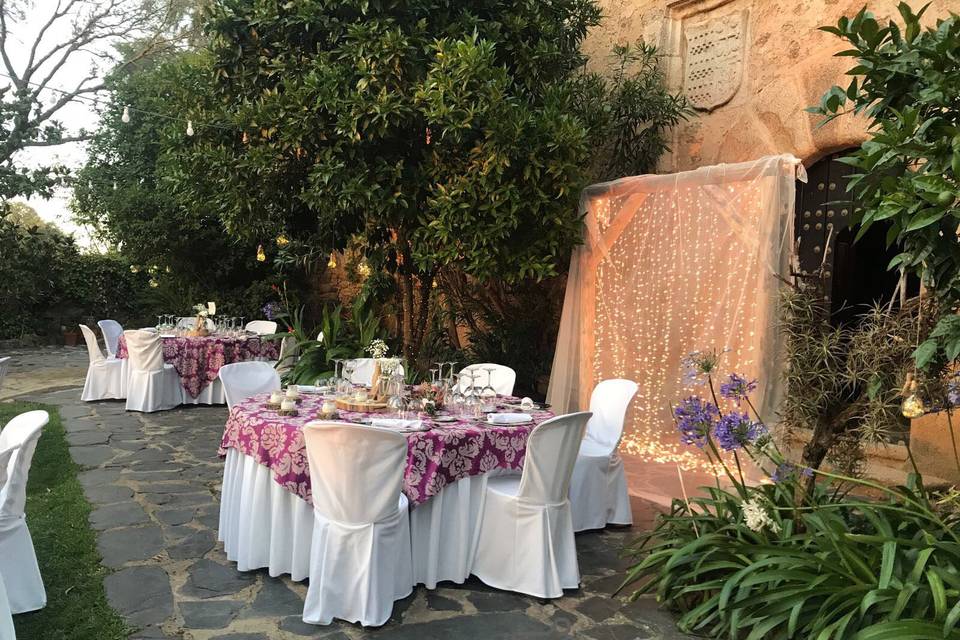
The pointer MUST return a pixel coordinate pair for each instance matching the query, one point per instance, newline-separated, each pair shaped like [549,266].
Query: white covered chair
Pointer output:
[244,379]
[363,370]
[7,631]
[111,331]
[152,384]
[263,327]
[18,560]
[526,541]
[4,365]
[502,378]
[360,561]
[105,379]
[598,488]
[289,354]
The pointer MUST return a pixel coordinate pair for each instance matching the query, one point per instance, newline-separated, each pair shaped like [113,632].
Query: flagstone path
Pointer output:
[154,481]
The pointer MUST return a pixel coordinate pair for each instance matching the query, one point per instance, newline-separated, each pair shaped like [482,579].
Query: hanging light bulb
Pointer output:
[912,405]
[363,269]
[282,240]
[125,118]
[261,256]
[190,127]
[332,262]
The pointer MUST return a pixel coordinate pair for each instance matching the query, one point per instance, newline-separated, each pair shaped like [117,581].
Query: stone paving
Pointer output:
[42,368]
[153,481]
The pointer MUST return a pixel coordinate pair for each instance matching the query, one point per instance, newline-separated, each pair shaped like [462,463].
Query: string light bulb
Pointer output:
[332,262]
[261,255]
[190,128]
[125,118]
[912,405]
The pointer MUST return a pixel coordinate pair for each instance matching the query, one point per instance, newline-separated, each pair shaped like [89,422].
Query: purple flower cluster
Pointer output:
[787,471]
[270,310]
[737,387]
[695,418]
[737,430]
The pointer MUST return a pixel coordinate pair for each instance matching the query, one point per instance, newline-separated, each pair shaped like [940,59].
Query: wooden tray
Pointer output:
[370,406]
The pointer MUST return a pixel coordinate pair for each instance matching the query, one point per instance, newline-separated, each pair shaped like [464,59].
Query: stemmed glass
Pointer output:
[349,367]
[335,379]
[455,394]
[488,394]
[241,326]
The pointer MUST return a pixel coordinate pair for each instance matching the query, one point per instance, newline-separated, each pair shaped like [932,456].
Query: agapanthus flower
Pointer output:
[756,516]
[695,418]
[737,387]
[270,310]
[953,392]
[788,471]
[737,430]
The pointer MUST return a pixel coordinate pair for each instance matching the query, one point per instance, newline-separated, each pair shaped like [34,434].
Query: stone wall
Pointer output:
[752,66]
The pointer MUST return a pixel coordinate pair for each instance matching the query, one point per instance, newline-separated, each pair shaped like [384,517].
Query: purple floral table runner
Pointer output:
[447,452]
[198,359]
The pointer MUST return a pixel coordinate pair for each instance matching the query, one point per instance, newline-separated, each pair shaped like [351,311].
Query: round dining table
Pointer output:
[438,454]
[266,517]
[198,359]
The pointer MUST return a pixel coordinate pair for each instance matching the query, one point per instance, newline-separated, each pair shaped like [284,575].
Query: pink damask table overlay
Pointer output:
[198,359]
[447,452]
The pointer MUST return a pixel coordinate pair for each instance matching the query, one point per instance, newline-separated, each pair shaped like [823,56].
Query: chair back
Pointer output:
[111,331]
[145,350]
[4,365]
[19,438]
[608,404]
[356,472]
[551,453]
[93,349]
[502,378]
[263,327]
[244,379]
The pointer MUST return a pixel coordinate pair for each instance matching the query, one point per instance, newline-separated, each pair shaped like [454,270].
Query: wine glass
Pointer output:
[488,395]
[334,380]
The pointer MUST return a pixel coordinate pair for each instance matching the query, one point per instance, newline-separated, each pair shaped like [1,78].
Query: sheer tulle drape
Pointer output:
[671,264]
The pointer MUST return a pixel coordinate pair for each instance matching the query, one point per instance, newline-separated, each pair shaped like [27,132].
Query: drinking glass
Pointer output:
[335,379]
[488,395]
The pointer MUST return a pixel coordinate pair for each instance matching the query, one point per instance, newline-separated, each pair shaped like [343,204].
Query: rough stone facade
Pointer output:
[769,63]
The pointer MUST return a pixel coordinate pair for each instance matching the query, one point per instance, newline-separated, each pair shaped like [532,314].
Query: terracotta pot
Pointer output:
[71,338]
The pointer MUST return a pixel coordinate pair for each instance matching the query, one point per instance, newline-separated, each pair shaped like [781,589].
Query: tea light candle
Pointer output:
[361,395]
[526,404]
[293,392]
[328,407]
[288,405]
[275,397]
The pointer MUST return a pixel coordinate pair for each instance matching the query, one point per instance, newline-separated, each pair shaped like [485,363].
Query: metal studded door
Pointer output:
[855,273]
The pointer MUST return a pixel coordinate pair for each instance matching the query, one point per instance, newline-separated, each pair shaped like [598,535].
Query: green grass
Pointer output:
[66,548]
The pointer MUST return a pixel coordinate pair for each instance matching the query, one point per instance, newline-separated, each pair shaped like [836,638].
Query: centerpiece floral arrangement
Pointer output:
[850,558]
[203,311]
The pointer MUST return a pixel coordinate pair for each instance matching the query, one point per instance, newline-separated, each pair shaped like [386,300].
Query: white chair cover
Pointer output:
[244,379]
[152,385]
[289,354]
[111,331]
[526,540]
[7,631]
[105,378]
[598,488]
[190,322]
[360,559]
[18,560]
[4,365]
[263,327]
[363,370]
[502,377]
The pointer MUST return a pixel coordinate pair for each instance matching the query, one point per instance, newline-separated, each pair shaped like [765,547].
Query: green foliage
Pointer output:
[906,81]
[58,513]
[448,136]
[120,192]
[832,567]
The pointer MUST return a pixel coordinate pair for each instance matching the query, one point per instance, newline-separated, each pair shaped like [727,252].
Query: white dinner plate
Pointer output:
[508,424]
[444,419]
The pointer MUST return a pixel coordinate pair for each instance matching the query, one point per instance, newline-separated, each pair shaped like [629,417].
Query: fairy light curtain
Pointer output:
[672,264]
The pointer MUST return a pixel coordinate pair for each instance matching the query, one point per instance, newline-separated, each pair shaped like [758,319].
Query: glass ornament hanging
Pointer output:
[190,128]
[125,118]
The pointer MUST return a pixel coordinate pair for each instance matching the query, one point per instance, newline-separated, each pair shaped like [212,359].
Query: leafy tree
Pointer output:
[445,135]
[94,33]
[907,82]
[23,215]
[120,191]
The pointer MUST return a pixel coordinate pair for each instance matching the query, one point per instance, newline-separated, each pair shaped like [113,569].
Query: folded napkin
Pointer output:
[309,388]
[397,423]
[508,418]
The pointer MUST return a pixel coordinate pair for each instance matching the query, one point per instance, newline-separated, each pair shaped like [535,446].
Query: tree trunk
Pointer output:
[406,296]
[825,435]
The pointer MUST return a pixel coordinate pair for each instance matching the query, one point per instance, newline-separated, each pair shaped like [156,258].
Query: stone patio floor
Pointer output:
[154,480]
